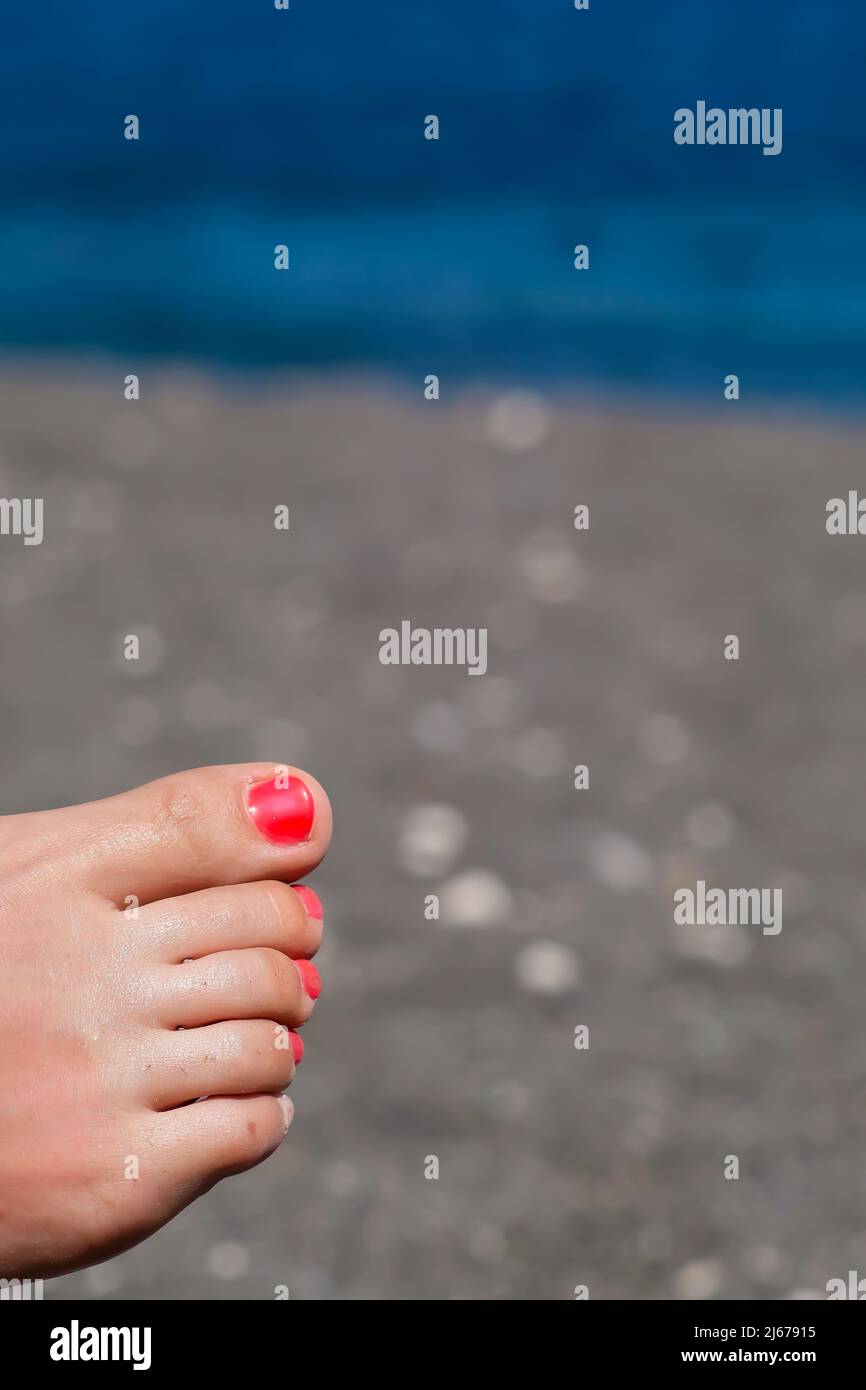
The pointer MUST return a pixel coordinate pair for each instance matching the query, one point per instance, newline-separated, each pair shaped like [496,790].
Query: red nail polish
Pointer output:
[282,809]
[297,1045]
[310,978]
[312,902]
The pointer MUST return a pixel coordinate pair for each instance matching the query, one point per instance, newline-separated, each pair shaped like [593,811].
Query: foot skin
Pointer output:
[149,946]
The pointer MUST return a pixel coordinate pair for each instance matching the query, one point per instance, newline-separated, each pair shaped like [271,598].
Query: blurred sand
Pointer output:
[557,1167]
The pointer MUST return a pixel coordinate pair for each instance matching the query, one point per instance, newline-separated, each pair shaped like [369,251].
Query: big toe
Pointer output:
[192,830]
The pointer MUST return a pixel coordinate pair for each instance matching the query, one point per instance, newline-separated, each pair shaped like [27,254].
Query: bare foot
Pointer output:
[152,953]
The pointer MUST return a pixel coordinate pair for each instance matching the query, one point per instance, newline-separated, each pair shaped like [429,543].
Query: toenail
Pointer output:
[312,902]
[310,978]
[288,1110]
[283,809]
[297,1045]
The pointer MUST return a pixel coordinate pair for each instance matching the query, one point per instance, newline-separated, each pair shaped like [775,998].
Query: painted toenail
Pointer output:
[310,978]
[312,902]
[288,1110]
[283,809]
[297,1045]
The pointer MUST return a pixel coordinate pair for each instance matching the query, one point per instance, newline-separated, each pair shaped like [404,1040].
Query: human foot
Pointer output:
[152,953]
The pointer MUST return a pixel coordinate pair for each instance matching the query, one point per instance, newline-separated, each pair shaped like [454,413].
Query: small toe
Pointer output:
[223,1135]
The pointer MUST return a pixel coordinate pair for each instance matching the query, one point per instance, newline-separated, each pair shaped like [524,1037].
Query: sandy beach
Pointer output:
[454,1038]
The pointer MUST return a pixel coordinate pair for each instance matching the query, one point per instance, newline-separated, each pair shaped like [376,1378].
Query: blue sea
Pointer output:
[260,127]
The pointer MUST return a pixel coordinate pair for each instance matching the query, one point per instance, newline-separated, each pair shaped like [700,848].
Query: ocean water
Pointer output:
[454,256]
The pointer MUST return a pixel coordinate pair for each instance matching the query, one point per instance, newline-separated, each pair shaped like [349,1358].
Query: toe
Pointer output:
[256,983]
[223,1059]
[224,1135]
[271,914]
[193,830]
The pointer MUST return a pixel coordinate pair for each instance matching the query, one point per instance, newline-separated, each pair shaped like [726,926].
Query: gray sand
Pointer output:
[455,1038]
